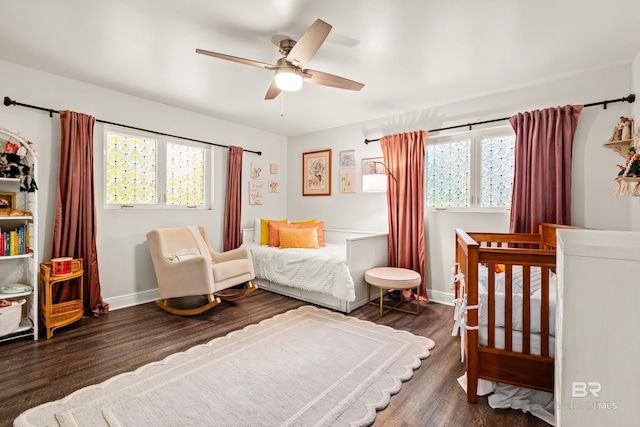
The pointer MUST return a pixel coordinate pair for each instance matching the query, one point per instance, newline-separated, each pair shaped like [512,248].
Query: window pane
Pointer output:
[496,171]
[449,174]
[130,170]
[185,175]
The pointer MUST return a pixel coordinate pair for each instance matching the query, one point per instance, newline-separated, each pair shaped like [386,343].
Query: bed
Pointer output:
[330,276]
[506,316]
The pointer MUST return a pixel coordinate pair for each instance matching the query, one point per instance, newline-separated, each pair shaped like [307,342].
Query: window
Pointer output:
[144,171]
[475,170]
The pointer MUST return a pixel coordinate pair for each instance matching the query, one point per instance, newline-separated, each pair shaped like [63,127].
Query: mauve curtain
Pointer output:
[75,226]
[233,200]
[404,156]
[542,167]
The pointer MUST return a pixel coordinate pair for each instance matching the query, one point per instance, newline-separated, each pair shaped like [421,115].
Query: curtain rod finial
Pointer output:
[8,101]
[631,98]
[366,141]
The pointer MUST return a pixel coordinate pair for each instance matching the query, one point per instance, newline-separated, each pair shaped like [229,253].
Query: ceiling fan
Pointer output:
[289,70]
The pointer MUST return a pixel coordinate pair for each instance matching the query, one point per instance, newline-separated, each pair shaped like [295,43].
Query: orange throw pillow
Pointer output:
[303,238]
[264,229]
[274,231]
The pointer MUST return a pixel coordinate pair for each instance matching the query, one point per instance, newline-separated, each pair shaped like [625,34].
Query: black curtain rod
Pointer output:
[631,98]
[8,101]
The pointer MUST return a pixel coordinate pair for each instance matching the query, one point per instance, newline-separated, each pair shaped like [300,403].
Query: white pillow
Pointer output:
[256,230]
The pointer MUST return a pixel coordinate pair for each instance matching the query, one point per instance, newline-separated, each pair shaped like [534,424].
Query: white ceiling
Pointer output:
[410,54]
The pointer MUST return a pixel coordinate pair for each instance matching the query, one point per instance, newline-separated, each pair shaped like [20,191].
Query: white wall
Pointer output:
[125,268]
[635,76]
[126,271]
[593,170]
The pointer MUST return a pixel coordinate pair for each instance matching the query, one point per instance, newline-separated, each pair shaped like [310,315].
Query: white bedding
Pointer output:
[535,286]
[321,270]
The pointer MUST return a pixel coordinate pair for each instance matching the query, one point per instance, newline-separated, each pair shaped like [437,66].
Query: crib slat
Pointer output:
[526,309]
[491,306]
[544,312]
[508,306]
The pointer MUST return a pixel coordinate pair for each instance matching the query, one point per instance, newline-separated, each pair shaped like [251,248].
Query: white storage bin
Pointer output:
[10,317]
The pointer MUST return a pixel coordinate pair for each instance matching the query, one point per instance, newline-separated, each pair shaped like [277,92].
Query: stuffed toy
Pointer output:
[617,130]
[634,167]
[12,166]
[626,129]
[10,147]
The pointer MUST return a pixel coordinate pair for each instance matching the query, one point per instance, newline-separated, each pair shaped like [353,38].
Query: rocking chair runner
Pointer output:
[186,265]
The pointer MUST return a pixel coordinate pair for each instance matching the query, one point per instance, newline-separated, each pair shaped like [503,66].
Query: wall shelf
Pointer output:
[622,146]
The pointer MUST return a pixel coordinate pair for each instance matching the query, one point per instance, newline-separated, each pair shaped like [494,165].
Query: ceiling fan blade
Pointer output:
[273,91]
[309,43]
[236,59]
[326,79]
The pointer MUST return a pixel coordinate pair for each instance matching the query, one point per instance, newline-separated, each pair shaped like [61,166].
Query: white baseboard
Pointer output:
[440,297]
[124,301]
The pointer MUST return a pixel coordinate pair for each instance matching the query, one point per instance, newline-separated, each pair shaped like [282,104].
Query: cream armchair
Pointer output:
[186,265]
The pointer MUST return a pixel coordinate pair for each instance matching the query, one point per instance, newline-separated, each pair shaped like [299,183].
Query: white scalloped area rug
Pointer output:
[305,367]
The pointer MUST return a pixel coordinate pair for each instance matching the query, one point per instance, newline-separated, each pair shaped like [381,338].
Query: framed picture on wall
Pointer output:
[256,171]
[316,173]
[347,158]
[373,165]
[373,175]
[348,180]
[7,200]
[256,193]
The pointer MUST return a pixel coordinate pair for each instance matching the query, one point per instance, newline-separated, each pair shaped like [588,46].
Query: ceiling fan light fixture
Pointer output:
[290,71]
[288,79]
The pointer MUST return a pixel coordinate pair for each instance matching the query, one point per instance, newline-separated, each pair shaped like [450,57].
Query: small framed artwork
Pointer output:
[316,173]
[348,180]
[348,158]
[256,171]
[373,175]
[7,200]
[274,186]
[373,165]
[273,168]
[256,193]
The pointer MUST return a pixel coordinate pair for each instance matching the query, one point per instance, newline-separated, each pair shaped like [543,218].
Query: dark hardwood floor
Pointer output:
[92,350]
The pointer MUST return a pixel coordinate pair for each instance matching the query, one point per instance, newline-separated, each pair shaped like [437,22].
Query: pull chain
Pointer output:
[282,105]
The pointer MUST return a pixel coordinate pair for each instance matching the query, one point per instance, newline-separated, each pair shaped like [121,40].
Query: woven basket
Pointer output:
[10,317]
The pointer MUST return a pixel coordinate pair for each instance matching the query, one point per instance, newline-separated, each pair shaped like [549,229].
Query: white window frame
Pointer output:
[475,186]
[161,171]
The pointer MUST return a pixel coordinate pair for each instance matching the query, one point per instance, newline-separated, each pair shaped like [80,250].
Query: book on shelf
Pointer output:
[15,242]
